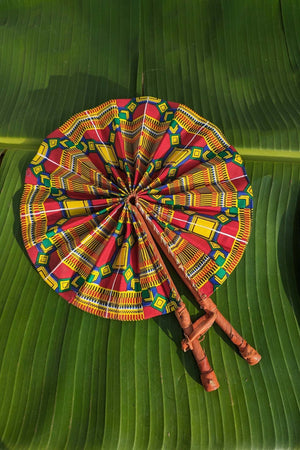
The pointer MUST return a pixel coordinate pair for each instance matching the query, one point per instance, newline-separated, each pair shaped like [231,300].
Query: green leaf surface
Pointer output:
[71,380]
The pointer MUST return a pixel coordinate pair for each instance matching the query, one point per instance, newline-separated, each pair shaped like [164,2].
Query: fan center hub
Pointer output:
[132,199]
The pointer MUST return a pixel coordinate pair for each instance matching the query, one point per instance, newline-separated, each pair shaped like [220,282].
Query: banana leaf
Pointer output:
[71,380]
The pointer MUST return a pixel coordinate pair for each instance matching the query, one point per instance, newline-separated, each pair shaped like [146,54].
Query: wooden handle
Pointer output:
[200,327]
[207,374]
[246,351]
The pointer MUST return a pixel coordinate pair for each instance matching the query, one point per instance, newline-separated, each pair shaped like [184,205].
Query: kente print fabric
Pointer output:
[77,219]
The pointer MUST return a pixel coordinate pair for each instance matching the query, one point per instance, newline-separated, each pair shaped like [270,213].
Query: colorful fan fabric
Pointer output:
[78,224]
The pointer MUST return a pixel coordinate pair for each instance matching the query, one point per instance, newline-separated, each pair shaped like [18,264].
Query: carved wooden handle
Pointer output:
[246,351]
[207,374]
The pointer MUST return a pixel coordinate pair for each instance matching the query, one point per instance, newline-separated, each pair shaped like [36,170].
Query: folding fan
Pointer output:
[118,182]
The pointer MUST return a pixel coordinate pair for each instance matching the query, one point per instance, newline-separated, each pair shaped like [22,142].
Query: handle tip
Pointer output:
[250,355]
[209,381]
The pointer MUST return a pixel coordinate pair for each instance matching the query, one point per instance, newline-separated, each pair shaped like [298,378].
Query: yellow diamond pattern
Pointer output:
[160,302]
[222,218]
[43,259]
[163,107]
[38,169]
[128,274]
[172,172]
[132,106]
[175,139]
[64,285]
[105,270]
[196,153]
[238,159]
[53,142]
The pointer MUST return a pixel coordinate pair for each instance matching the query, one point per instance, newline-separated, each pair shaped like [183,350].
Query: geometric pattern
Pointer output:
[79,227]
